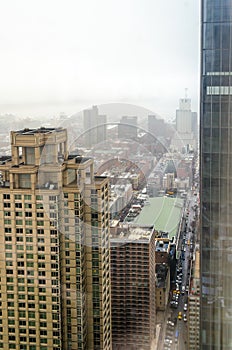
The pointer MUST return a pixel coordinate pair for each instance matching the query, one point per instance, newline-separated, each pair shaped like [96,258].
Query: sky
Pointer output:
[63,56]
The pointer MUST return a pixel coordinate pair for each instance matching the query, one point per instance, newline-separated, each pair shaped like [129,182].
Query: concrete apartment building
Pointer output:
[133,288]
[54,247]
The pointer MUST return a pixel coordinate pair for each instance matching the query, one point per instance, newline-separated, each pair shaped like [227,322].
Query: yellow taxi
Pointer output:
[179,315]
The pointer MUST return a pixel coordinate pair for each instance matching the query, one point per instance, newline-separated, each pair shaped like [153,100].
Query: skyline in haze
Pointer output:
[66,56]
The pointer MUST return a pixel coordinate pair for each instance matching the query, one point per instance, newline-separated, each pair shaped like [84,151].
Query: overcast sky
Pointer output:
[63,56]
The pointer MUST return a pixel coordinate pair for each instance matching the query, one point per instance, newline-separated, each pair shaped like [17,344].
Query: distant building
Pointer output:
[185,136]
[127,128]
[169,181]
[94,127]
[133,288]
[184,117]
[159,129]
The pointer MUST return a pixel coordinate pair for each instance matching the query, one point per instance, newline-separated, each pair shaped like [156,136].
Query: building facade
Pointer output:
[194,306]
[133,288]
[54,247]
[216,170]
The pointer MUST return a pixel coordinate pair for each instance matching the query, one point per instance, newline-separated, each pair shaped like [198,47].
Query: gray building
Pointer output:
[94,127]
[127,128]
[216,170]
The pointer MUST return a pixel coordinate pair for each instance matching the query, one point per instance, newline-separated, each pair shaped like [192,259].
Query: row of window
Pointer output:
[29,197]
[30,239]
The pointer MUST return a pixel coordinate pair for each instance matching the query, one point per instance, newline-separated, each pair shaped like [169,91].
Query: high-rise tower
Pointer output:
[54,247]
[186,121]
[216,174]
[94,127]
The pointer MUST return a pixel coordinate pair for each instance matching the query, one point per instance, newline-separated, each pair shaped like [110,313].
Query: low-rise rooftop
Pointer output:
[162,213]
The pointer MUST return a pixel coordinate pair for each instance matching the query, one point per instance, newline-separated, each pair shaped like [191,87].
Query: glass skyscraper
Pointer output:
[216,174]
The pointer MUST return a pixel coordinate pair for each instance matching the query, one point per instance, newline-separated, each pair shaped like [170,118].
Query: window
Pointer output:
[18,196]
[28,222]
[25,181]
[18,205]
[29,256]
[19,230]
[6,205]
[27,197]
[6,196]
[10,287]
[40,223]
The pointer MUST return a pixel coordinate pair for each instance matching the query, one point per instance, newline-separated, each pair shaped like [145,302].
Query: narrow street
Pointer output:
[174,331]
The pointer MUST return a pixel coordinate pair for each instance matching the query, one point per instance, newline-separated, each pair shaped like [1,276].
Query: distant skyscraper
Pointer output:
[127,129]
[216,175]
[185,122]
[94,127]
[54,247]
[184,116]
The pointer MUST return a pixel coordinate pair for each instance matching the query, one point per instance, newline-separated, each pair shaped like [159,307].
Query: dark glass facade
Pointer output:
[216,174]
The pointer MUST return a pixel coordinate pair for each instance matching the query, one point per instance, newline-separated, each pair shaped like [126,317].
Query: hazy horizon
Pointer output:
[64,57]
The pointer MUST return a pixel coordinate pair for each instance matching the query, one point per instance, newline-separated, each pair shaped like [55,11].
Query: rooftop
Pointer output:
[163,213]
[132,234]
[41,130]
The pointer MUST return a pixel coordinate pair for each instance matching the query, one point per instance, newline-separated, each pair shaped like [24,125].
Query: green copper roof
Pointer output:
[163,213]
